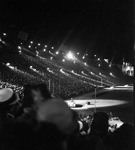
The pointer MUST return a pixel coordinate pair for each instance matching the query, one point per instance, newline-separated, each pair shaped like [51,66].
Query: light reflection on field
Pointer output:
[95,103]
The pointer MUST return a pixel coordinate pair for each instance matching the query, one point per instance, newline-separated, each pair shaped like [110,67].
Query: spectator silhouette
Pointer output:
[100,125]
[122,138]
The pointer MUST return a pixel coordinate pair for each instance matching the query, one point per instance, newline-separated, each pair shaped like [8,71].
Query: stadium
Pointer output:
[44,85]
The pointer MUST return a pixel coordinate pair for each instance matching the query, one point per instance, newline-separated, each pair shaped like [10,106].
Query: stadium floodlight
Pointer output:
[70,55]
[57,52]
[7,64]
[85,64]
[61,70]
[83,57]
[72,71]
[110,65]
[19,47]
[111,73]
[4,34]
[106,60]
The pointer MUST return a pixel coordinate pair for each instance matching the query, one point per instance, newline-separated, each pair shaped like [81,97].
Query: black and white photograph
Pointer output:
[67,75]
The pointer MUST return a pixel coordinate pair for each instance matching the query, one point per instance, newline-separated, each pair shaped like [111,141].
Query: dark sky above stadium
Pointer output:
[103,27]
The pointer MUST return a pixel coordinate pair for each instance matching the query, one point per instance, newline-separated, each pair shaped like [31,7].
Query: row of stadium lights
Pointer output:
[63,60]
[57,52]
[31,42]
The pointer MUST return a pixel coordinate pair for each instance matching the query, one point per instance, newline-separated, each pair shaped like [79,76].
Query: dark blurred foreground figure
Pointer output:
[57,112]
[123,138]
[100,125]
[53,124]
[17,135]
[93,141]
[34,96]
[8,104]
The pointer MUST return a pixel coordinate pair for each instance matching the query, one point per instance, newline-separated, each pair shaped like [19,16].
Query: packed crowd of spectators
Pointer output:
[41,122]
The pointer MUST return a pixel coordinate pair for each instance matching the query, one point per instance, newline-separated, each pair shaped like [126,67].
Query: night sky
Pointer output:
[102,27]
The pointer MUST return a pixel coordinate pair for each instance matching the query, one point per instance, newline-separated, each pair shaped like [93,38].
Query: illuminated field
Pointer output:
[98,103]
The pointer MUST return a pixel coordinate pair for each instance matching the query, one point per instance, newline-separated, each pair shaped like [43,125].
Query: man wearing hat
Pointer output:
[8,102]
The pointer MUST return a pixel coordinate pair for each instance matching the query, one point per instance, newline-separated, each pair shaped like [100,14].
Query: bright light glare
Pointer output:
[111,73]
[85,63]
[57,52]
[8,64]
[19,47]
[83,57]
[106,60]
[70,55]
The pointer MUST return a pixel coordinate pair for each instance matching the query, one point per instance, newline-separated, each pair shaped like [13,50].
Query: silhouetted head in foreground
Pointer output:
[57,112]
[123,138]
[100,125]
